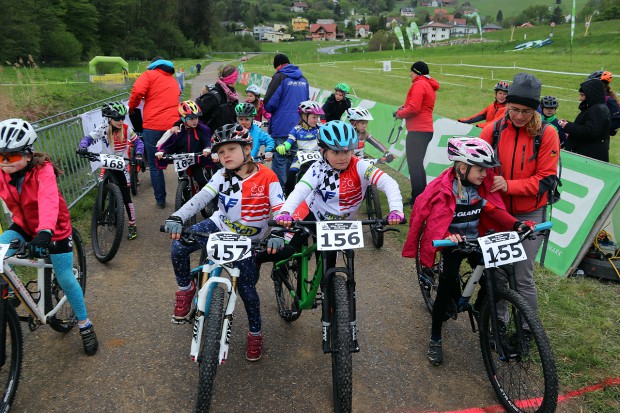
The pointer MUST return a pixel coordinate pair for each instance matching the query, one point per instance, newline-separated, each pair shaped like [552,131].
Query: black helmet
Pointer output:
[233,132]
[549,102]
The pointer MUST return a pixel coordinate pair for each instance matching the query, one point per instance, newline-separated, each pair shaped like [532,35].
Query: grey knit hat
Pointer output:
[525,90]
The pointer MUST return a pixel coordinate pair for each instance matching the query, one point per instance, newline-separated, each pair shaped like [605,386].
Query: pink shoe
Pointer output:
[255,347]
[183,304]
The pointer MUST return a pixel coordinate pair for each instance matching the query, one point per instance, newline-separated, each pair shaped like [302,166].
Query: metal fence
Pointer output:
[73,113]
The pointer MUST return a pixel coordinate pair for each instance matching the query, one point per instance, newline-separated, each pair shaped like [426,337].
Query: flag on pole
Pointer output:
[409,36]
[474,14]
[572,23]
[399,34]
[416,33]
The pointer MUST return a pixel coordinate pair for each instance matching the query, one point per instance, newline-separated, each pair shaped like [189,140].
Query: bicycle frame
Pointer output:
[308,294]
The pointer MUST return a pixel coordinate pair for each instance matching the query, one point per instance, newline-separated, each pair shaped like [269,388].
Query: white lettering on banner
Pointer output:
[594,187]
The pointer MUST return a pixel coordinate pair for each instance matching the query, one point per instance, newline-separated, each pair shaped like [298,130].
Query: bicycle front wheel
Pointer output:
[65,318]
[288,306]
[11,366]
[525,379]
[373,208]
[210,350]
[342,361]
[108,223]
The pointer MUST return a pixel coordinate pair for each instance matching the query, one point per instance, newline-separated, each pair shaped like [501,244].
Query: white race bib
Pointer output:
[112,162]
[3,250]
[224,247]
[339,235]
[308,156]
[501,248]
[183,161]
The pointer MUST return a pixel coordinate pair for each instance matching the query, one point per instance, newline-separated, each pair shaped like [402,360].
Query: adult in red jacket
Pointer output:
[495,110]
[524,178]
[161,93]
[418,114]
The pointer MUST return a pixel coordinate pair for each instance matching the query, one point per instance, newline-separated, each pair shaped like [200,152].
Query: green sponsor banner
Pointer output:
[399,34]
[589,188]
[409,36]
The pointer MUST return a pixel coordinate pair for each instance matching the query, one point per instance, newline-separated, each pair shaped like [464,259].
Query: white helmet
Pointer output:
[358,114]
[16,135]
[472,151]
[253,89]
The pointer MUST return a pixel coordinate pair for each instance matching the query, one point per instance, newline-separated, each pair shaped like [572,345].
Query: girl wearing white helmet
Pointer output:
[26,178]
[359,118]
[452,207]
[252,94]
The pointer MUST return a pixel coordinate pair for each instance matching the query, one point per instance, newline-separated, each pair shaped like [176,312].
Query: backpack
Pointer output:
[209,116]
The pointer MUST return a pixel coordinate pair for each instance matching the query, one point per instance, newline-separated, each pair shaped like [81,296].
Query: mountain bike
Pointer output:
[135,165]
[43,299]
[373,206]
[214,305]
[108,221]
[296,289]
[516,352]
[304,159]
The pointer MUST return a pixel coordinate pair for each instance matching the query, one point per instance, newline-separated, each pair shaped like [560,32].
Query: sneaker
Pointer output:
[183,304]
[435,354]
[161,205]
[255,347]
[89,340]
[132,232]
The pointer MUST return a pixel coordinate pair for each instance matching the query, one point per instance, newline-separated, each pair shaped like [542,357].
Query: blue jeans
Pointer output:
[280,164]
[150,138]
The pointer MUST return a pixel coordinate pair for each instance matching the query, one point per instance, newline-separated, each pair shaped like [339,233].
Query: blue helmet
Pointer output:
[338,136]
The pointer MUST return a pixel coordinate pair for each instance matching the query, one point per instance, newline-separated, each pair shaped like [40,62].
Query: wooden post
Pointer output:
[512,32]
[588,20]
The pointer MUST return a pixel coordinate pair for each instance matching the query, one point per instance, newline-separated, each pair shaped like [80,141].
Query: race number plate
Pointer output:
[339,235]
[308,156]
[184,161]
[224,247]
[3,250]
[501,248]
[112,162]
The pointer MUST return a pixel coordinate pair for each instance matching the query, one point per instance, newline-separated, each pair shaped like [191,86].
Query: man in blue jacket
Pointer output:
[287,89]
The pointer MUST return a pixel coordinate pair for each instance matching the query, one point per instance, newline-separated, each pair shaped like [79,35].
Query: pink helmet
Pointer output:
[310,107]
[472,151]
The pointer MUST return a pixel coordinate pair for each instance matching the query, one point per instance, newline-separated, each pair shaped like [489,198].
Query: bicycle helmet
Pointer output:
[189,107]
[338,136]
[502,86]
[253,89]
[310,107]
[232,132]
[549,102]
[354,114]
[343,87]
[603,75]
[245,109]
[114,110]
[16,135]
[472,151]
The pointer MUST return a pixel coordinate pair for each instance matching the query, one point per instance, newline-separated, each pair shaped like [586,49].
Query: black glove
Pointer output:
[388,157]
[394,114]
[81,151]
[39,244]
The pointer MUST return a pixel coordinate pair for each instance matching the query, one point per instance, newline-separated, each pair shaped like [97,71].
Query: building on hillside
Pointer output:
[491,28]
[279,27]
[448,3]
[362,31]
[407,12]
[456,21]
[526,25]
[434,32]
[323,31]
[397,22]
[259,32]
[299,7]
[325,21]
[244,32]
[460,30]
[425,3]
[275,37]
[300,24]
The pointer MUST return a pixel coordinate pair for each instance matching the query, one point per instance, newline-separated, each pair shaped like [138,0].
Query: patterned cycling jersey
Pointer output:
[306,139]
[330,194]
[467,212]
[244,204]
[117,146]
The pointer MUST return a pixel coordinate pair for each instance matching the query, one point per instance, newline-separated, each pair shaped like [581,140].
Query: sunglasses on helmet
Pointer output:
[11,157]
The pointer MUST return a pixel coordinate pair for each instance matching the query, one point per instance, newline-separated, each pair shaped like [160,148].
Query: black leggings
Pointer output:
[416,145]
[124,187]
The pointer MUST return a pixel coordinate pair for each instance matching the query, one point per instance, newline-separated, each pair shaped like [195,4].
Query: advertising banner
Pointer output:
[399,35]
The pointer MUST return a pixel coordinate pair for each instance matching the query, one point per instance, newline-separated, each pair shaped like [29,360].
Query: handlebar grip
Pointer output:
[444,243]
[272,223]
[543,226]
[162,228]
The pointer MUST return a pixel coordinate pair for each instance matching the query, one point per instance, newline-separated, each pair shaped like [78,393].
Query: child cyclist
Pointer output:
[452,207]
[247,192]
[245,114]
[548,107]
[40,215]
[359,117]
[337,103]
[253,97]
[302,137]
[321,195]
[495,110]
[193,136]
[116,137]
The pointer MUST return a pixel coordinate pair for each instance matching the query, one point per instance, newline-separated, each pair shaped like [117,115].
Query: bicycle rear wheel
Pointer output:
[108,223]
[210,349]
[65,319]
[133,171]
[184,194]
[11,365]
[373,209]
[525,380]
[342,361]
[288,306]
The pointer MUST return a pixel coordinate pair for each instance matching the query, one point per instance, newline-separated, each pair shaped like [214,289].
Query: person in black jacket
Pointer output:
[217,102]
[588,135]
[337,103]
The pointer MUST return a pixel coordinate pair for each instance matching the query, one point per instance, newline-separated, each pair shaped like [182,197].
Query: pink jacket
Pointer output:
[419,105]
[38,188]
[435,207]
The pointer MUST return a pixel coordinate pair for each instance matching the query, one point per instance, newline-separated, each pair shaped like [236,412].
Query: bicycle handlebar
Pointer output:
[299,225]
[22,249]
[189,234]
[543,226]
